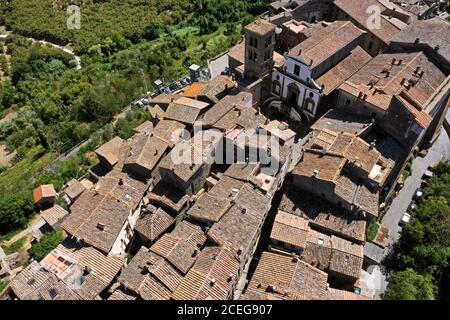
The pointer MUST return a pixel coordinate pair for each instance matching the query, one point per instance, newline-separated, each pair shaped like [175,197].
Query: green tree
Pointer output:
[49,241]
[15,209]
[409,285]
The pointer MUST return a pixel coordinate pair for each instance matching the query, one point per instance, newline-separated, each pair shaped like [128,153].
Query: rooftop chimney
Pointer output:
[316,173]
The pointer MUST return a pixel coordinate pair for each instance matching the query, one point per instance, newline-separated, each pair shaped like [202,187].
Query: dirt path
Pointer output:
[5,156]
[24,233]
[66,49]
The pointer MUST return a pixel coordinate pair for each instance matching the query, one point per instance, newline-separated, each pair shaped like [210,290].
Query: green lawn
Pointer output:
[372,230]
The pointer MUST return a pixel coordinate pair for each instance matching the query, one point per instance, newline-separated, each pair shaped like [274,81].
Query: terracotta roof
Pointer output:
[34,282]
[216,88]
[44,191]
[181,246]
[121,185]
[431,33]
[145,153]
[150,276]
[110,150]
[211,277]
[185,110]
[97,219]
[288,278]
[237,52]
[290,229]
[422,118]
[189,156]
[168,130]
[361,13]
[153,223]
[164,98]
[166,195]
[209,208]
[96,270]
[337,75]
[118,294]
[389,74]
[54,215]
[253,200]
[334,254]
[226,187]
[224,106]
[156,111]
[145,127]
[332,142]
[346,257]
[322,215]
[237,230]
[362,154]
[327,166]
[340,121]
[74,189]
[192,90]
[242,171]
[336,294]
[279,130]
[319,47]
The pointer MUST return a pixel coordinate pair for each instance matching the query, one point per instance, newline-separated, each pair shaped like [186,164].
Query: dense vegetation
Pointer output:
[47,243]
[420,260]
[59,106]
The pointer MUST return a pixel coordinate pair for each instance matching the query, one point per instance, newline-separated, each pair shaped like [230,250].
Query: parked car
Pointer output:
[427,175]
[412,205]
[178,84]
[405,219]
[418,194]
[423,183]
[184,82]
[167,90]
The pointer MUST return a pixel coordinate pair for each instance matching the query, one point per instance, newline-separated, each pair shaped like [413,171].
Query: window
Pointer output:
[297,70]
[347,101]
[251,41]
[255,43]
[346,260]
[370,45]
[276,88]
[255,57]
[268,41]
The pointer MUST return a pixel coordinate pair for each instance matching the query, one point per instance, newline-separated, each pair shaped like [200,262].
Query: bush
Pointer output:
[48,242]
[3,285]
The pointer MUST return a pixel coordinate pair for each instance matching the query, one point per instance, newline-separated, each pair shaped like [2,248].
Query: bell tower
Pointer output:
[259,47]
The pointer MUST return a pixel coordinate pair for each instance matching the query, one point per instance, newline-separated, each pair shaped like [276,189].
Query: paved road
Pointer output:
[440,150]
[217,65]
